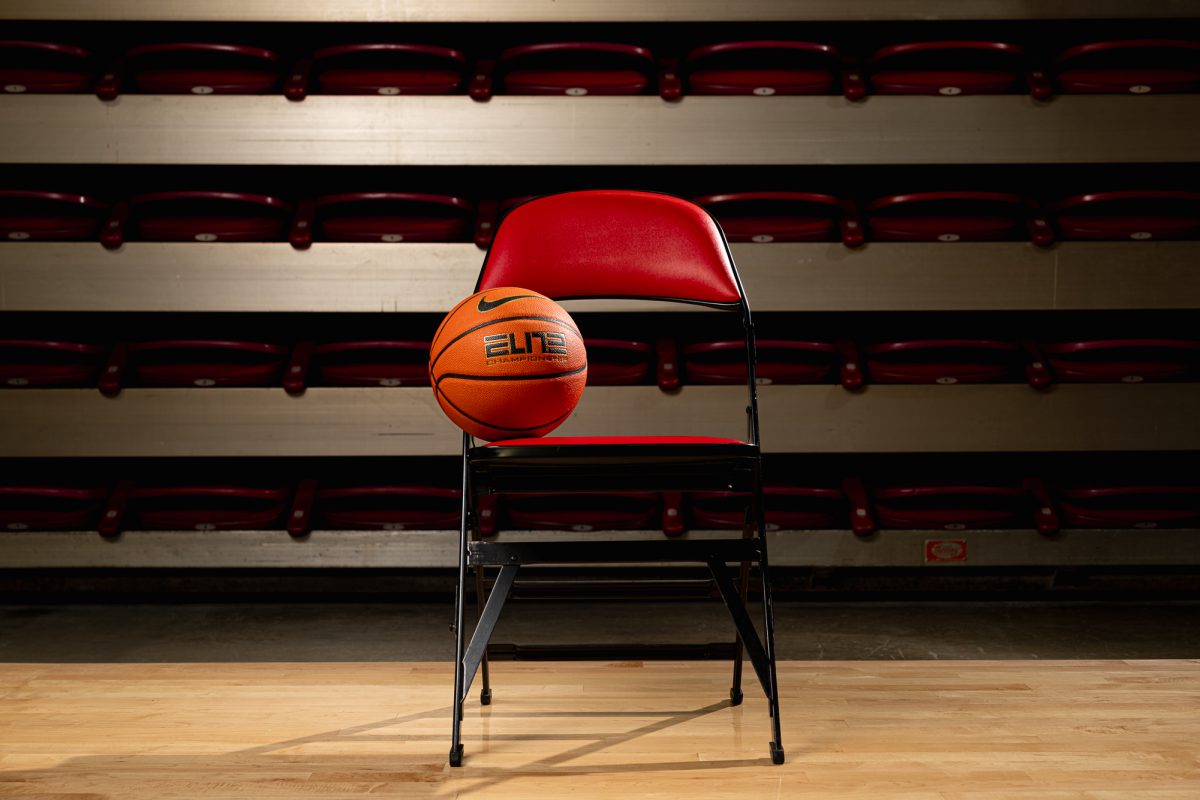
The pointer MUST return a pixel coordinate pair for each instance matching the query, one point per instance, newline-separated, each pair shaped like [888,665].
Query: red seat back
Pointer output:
[615,244]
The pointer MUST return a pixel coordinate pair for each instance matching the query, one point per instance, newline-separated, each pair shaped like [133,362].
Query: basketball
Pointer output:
[507,363]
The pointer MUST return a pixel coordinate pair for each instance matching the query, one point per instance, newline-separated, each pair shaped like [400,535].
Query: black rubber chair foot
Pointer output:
[776,754]
[485,697]
[735,697]
[456,756]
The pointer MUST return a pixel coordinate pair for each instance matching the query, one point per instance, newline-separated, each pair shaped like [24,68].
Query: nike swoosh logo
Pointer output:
[484,306]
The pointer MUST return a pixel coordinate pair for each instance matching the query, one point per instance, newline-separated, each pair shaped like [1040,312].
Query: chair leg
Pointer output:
[456,708]
[735,691]
[456,713]
[777,755]
[485,694]
[769,645]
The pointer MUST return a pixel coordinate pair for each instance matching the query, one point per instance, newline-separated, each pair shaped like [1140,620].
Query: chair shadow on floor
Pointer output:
[556,763]
[427,768]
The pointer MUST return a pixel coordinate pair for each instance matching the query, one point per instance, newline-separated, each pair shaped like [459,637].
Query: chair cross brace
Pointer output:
[716,553]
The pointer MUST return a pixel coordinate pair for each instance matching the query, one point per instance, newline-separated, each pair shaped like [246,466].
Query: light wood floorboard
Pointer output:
[1068,730]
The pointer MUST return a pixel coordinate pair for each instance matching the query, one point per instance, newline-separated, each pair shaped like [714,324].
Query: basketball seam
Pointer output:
[543,376]
[481,325]
[557,419]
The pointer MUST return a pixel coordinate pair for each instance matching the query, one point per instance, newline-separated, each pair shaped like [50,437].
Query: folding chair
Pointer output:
[617,244]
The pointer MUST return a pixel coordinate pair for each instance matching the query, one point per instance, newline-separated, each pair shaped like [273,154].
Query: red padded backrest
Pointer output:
[612,244]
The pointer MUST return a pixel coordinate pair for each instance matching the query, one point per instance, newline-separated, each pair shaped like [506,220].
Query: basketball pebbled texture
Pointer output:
[507,363]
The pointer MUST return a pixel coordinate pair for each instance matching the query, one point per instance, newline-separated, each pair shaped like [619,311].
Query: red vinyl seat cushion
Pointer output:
[569,441]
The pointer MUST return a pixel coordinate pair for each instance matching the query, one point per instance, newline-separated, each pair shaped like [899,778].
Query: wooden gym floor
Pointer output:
[917,730]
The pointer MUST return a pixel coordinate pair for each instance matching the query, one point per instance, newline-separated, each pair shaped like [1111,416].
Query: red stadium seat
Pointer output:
[388,507]
[607,511]
[382,217]
[191,68]
[952,506]
[1139,215]
[377,363]
[762,68]
[1137,505]
[567,68]
[784,217]
[943,361]
[193,362]
[363,363]
[48,216]
[1123,360]
[383,68]
[40,363]
[955,217]
[1129,66]
[613,362]
[951,68]
[779,361]
[44,68]
[617,244]
[198,507]
[196,217]
[788,507]
[488,215]
[39,507]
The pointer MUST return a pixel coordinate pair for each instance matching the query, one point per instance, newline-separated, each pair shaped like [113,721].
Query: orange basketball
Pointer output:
[507,363]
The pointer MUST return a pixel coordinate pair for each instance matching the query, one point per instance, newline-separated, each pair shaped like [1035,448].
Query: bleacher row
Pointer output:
[852,503]
[611,362]
[762,217]
[761,67]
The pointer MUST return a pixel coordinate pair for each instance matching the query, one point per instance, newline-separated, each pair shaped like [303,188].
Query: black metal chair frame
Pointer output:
[620,467]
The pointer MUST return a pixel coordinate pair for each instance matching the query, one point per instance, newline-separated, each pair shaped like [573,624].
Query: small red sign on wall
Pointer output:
[943,550]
